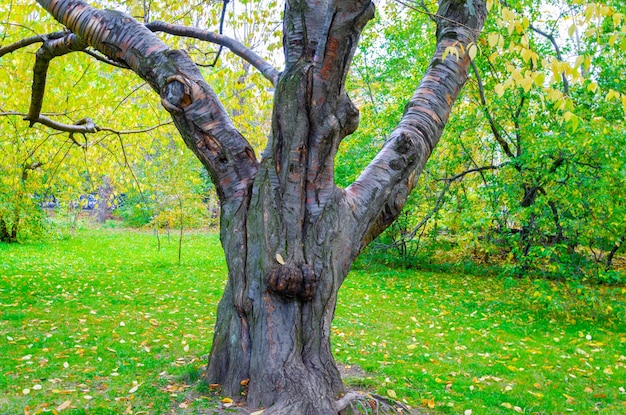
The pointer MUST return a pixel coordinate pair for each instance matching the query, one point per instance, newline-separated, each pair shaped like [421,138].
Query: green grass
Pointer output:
[90,318]
[106,322]
[489,345]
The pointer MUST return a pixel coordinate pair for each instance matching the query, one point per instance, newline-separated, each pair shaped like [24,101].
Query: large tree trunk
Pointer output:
[289,233]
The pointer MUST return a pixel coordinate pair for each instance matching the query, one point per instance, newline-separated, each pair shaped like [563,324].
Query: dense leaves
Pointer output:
[528,174]
[135,158]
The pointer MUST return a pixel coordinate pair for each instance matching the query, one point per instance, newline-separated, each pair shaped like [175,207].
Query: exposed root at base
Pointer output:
[356,403]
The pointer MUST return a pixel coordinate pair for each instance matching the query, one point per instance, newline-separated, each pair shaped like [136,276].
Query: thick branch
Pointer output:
[193,105]
[235,46]
[84,126]
[616,246]
[48,51]
[380,193]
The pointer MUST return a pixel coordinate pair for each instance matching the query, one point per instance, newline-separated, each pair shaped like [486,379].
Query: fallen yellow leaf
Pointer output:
[429,403]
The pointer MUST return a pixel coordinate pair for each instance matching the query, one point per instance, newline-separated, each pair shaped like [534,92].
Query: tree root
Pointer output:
[357,403]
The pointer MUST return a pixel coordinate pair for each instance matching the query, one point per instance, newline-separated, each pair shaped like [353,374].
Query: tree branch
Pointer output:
[504,144]
[48,51]
[380,193]
[233,45]
[518,130]
[82,126]
[474,170]
[439,201]
[432,16]
[104,59]
[12,47]
[557,50]
[221,31]
[197,112]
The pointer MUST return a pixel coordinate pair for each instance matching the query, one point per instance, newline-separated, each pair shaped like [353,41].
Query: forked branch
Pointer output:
[194,106]
[48,51]
[12,47]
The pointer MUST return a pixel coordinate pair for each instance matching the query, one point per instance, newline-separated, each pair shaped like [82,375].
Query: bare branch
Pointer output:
[48,51]
[138,131]
[439,201]
[235,46]
[219,51]
[104,59]
[474,170]
[30,41]
[83,126]
[518,130]
[557,50]
[432,16]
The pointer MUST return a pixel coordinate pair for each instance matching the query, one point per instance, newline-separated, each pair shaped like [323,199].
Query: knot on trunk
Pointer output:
[178,93]
[290,281]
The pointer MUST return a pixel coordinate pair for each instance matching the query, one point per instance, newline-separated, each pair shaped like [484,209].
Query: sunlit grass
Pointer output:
[456,343]
[104,320]
[104,323]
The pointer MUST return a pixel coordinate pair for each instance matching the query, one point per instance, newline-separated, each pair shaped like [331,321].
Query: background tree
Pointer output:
[289,233]
[522,174]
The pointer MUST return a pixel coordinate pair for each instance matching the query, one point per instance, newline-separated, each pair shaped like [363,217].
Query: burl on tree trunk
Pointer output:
[289,233]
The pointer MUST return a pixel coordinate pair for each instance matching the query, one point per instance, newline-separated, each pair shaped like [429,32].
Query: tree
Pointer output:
[526,173]
[290,234]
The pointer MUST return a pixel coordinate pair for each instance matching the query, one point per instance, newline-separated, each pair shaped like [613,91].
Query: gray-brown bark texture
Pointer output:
[289,233]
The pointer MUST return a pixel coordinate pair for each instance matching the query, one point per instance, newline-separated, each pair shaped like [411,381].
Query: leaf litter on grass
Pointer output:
[104,322]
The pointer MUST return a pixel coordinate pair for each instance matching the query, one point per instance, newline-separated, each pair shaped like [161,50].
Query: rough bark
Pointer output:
[289,233]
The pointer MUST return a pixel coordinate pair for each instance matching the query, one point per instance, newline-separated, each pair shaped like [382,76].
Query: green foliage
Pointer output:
[136,154]
[528,175]
[21,218]
[133,213]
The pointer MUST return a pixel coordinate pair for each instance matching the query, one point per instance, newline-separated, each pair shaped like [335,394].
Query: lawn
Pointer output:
[105,323]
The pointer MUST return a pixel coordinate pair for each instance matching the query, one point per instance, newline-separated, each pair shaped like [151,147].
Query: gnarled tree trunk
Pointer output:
[289,233]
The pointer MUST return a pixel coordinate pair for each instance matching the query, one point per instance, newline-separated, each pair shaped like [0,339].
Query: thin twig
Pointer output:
[435,16]
[492,124]
[219,50]
[439,202]
[104,59]
[557,50]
